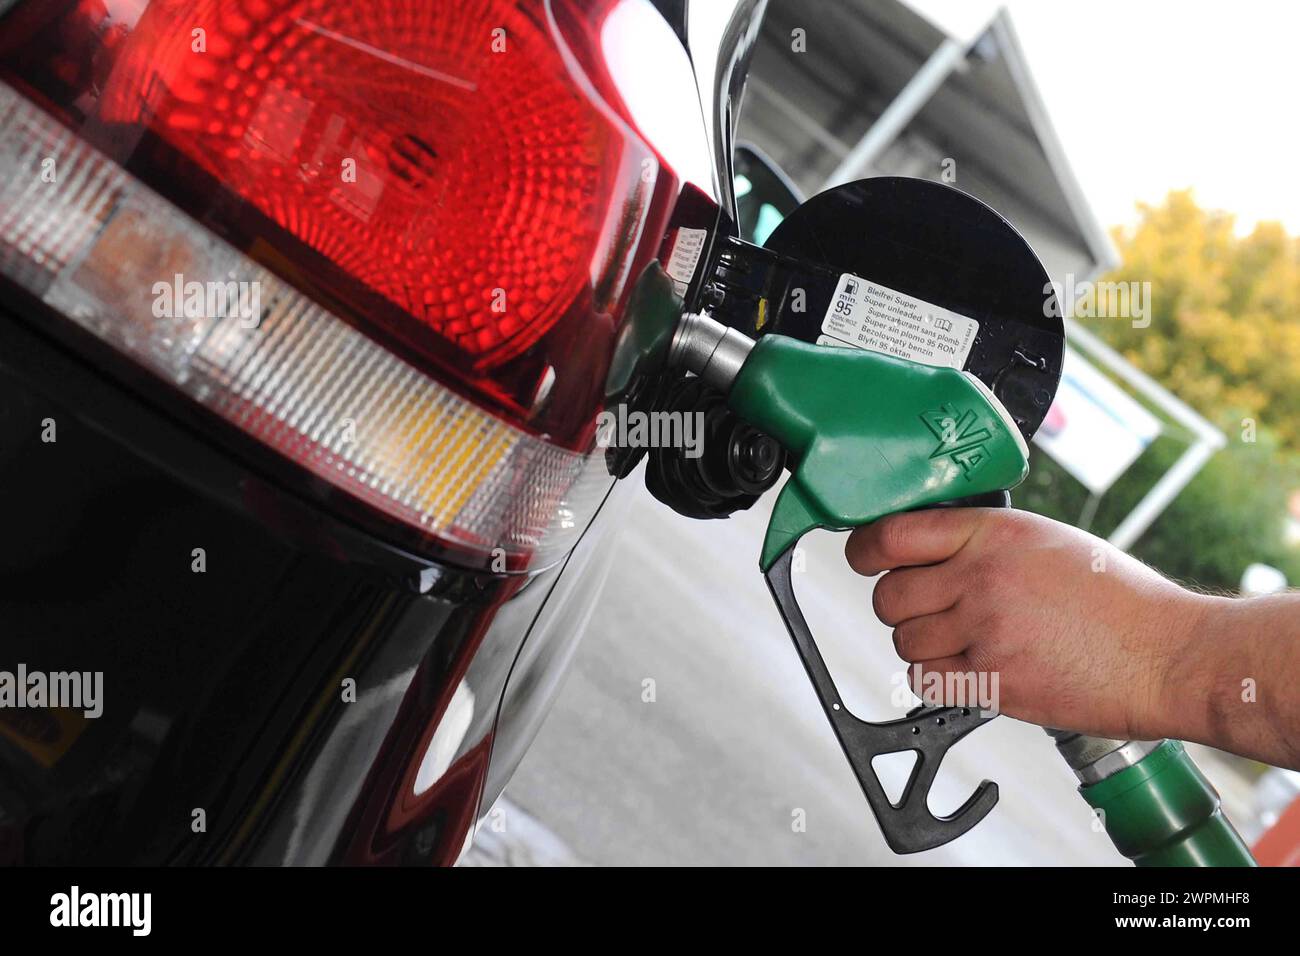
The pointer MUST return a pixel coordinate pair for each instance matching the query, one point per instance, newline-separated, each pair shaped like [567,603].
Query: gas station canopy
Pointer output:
[879,89]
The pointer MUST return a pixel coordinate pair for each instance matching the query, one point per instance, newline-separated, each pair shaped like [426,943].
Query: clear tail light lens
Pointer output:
[100,249]
[433,215]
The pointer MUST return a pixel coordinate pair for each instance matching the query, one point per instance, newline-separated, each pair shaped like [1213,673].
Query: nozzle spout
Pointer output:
[710,349]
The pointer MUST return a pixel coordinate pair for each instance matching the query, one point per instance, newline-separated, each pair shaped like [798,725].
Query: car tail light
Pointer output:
[387,240]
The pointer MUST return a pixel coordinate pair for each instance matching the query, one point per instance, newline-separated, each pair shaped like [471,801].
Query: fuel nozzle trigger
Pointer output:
[866,435]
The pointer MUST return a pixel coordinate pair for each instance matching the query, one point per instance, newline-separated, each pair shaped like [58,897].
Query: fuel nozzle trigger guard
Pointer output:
[908,825]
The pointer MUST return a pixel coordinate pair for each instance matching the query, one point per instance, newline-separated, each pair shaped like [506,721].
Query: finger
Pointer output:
[912,538]
[913,592]
[931,638]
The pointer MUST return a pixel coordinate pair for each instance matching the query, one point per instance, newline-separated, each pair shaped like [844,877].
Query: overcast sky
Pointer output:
[1153,95]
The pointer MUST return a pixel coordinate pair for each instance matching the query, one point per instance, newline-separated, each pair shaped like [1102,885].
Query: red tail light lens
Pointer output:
[438,210]
[476,170]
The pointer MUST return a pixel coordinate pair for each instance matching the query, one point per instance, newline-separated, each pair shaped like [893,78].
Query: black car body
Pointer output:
[293,672]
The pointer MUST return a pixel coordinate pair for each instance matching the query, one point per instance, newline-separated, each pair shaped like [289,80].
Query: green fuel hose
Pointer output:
[1161,811]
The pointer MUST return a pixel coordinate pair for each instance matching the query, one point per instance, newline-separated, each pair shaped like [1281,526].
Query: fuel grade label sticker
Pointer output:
[868,315]
[685,257]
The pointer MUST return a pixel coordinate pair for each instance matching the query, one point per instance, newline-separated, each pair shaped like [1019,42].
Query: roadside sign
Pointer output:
[1094,429]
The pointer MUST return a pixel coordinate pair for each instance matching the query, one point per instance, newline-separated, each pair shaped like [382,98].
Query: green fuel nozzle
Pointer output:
[867,435]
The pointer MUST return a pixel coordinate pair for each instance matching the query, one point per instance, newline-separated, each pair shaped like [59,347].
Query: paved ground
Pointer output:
[734,748]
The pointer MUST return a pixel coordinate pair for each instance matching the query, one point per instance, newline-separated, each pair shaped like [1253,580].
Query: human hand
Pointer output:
[1080,635]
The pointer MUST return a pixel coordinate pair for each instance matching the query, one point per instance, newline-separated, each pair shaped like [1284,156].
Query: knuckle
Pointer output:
[1010,526]
[982,578]
[891,539]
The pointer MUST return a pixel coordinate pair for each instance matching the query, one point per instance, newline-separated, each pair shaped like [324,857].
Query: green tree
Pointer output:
[1225,312]
[1224,336]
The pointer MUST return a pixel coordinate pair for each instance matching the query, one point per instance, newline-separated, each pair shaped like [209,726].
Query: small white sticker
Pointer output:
[868,315]
[687,247]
